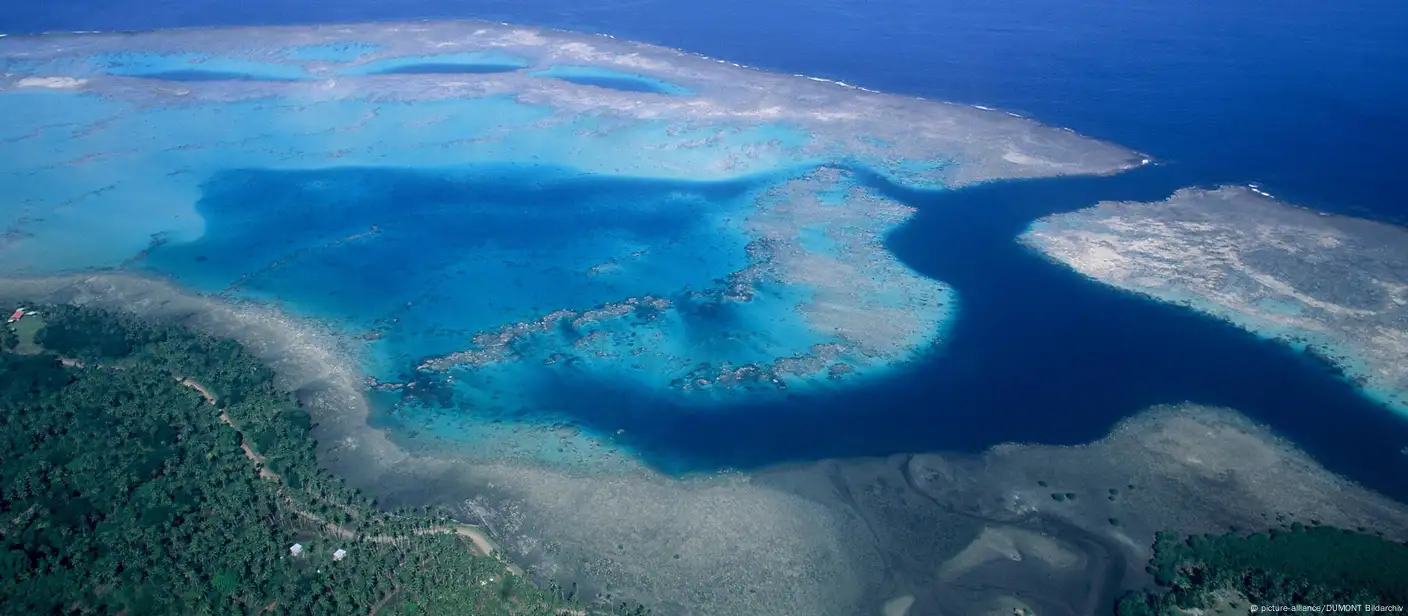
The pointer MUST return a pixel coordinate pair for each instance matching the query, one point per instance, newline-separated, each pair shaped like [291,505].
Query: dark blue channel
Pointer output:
[449,68]
[190,76]
[1038,354]
[623,84]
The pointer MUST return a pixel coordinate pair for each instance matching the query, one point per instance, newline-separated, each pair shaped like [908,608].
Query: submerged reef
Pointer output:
[490,209]
[471,249]
[100,136]
[817,298]
[1333,286]
[719,545]
[831,537]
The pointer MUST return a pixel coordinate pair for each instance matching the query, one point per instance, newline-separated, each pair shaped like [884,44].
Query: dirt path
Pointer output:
[204,393]
[384,600]
[481,542]
[249,452]
[482,545]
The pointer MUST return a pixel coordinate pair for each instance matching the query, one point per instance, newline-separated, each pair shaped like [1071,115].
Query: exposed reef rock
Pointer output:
[1333,285]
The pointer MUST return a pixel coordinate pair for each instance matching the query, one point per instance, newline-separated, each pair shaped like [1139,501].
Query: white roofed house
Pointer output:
[339,554]
[296,549]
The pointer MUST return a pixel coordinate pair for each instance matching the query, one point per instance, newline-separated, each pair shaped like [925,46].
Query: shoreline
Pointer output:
[305,356]
[524,504]
[663,535]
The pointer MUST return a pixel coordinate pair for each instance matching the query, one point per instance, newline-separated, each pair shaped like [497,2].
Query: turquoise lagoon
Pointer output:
[493,214]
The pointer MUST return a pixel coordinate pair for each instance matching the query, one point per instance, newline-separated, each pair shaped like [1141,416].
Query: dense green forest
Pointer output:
[148,469]
[1297,565]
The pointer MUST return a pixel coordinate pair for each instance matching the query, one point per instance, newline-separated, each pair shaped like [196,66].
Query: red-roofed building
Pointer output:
[19,314]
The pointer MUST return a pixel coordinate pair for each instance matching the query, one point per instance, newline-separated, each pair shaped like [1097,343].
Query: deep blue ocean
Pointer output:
[1309,99]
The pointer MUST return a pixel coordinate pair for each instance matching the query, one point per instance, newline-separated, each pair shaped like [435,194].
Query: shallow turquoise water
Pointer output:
[467,63]
[447,253]
[422,223]
[194,67]
[330,52]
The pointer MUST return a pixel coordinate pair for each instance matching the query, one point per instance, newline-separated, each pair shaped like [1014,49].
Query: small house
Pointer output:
[338,555]
[296,549]
[18,314]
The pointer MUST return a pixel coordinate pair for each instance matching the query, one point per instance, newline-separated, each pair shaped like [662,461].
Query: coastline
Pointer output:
[734,544]
[663,535]
[529,505]
[305,356]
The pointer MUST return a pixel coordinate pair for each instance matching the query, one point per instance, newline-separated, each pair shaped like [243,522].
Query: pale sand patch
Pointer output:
[1020,158]
[1007,606]
[1012,544]
[898,606]
[56,83]
[481,541]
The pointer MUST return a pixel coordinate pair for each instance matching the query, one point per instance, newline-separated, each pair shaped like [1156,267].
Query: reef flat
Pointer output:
[832,538]
[1334,286]
[494,213]
[467,221]
[815,299]
[719,545]
[1061,530]
[190,102]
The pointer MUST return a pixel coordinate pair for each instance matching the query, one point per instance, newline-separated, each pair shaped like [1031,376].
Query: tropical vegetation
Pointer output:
[149,469]
[1301,565]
